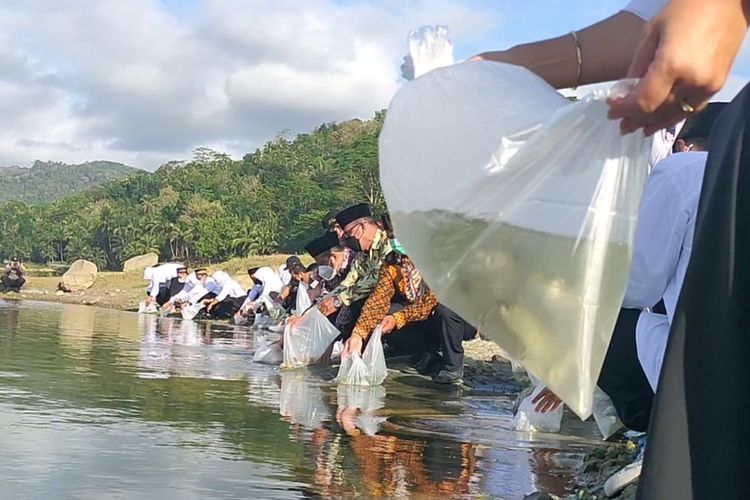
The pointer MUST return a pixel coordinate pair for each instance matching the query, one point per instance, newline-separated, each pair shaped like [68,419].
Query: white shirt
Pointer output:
[663,244]
[284,275]
[645,9]
[160,276]
[201,289]
[190,283]
[227,286]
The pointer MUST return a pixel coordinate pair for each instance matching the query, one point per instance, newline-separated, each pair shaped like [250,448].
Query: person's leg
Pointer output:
[699,432]
[622,377]
[452,330]
[21,282]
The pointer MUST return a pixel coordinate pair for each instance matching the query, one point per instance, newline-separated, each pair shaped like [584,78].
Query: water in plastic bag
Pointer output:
[519,208]
[527,419]
[192,310]
[268,352]
[369,369]
[308,340]
[147,309]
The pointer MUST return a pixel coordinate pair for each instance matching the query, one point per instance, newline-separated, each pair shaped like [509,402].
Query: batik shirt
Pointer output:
[363,275]
[394,279]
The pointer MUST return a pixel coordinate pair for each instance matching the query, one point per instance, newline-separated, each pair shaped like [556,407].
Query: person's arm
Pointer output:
[662,223]
[418,311]
[377,305]
[607,49]
[346,288]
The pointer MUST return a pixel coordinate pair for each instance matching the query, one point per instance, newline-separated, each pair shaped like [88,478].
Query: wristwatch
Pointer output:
[337,302]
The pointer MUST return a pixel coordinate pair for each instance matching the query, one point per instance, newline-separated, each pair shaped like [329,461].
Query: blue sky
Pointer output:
[147,81]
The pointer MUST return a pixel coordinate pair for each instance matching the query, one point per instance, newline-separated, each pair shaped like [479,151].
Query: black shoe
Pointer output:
[425,365]
[449,378]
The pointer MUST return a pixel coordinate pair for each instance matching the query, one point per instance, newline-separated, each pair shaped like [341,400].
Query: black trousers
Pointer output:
[226,308]
[622,377]
[444,330]
[163,296]
[11,284]
[700,432]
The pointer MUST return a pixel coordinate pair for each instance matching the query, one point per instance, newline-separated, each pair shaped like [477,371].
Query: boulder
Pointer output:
[140,262]
[80,276]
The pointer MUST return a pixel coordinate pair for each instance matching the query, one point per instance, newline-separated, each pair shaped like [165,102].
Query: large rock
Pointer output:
[140,262]
[80,276]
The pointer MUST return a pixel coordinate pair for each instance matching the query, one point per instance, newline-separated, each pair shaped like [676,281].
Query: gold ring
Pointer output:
[687,108]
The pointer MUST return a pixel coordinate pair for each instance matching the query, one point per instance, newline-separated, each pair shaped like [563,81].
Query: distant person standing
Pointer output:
[13,279]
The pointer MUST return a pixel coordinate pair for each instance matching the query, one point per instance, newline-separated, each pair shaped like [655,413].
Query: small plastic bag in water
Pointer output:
[369,369]
[308,340]
[519,208]
[529,420]
[268,352]
[147,309]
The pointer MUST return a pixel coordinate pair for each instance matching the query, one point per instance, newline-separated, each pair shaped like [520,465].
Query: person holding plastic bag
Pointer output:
[407,313]
[371,244]
[683,56]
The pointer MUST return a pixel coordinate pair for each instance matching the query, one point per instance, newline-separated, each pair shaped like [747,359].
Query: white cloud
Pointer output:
[136,82]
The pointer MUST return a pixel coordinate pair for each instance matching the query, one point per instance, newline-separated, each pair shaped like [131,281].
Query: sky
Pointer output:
[147,81]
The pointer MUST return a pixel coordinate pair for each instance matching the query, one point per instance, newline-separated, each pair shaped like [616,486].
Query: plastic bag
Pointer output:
[605,414]
[429,48]
[519,208]
[368,369]
[527,419]
[268,352]
[192,310]
[147,309]
[303,302]
[310,338]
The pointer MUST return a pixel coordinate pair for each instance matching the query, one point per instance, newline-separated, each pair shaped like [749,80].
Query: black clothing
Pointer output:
[699,432]
[622,378]
[444,330]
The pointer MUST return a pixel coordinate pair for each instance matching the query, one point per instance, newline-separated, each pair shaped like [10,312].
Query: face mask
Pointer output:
[326,273]
[397,247]
[352,244]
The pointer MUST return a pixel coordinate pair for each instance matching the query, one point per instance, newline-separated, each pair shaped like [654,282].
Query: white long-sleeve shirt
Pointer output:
[183,295]
[663,244]
[161,275]
[201,289]
[227,286]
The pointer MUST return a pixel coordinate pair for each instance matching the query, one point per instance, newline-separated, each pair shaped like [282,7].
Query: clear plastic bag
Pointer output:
[369,369]
[192,310]
[147,309]
[429,48]
[303,302]
[527,419]
[519,208]
[310,338]
[605,414]
[268,352]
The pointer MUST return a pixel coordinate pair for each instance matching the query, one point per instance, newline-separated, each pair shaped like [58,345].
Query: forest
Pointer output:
[210,208]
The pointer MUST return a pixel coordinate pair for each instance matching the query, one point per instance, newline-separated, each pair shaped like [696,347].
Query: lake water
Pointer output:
[96,403]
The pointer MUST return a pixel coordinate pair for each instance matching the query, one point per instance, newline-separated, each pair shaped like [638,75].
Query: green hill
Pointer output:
[208,209]
[46,182]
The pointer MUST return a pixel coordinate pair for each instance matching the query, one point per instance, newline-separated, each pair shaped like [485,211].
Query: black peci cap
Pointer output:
[329,220]
[322,244]
[292,262]
[351,214]
[699,125]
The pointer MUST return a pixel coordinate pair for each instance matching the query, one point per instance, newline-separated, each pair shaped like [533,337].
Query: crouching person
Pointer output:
[412,321]
[229,297]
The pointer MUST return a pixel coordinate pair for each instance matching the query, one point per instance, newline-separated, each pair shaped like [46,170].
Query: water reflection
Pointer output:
[113,393]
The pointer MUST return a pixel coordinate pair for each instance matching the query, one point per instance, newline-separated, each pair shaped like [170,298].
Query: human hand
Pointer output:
[684,58]
[388,324]
[211,304]
[353,345]
[327,306]
[546,401]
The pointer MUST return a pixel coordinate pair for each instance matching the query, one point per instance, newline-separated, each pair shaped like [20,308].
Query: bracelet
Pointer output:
[579,58]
